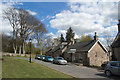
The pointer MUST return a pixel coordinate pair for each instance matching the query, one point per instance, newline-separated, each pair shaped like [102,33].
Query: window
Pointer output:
[96,54]
[113,64]
[119,64]
[80,57]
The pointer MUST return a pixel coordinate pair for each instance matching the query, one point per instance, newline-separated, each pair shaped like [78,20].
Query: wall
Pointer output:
[68,57]
[97,56]
[117,53]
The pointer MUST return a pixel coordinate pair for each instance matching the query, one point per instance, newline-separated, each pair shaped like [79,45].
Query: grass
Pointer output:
[16,68]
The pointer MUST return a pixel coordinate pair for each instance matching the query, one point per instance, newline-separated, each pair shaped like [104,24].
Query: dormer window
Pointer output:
[61,46]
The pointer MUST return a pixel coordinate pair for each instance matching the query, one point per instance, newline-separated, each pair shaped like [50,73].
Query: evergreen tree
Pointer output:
[69,35]
[62,38]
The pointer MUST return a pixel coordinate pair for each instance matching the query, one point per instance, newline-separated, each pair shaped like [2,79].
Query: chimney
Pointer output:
[72,40]
[119,26]
[95,37]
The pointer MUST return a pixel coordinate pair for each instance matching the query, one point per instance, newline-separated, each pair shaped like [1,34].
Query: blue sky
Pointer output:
[44,9]
[85,18]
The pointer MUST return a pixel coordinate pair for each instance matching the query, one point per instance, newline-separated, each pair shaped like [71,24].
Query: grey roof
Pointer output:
[116,42]
[82,46]
[57,48]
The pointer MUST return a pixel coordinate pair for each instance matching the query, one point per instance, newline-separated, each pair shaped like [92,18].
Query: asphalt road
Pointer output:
[75,71]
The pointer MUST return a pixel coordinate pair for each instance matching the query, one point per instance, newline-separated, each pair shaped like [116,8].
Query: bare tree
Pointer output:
[39,32]
[109,39]
[23,25]
[27,24]
[11,15]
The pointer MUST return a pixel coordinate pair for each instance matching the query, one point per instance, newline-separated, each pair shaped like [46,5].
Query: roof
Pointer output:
[116,42]
[58,47]
[84,46]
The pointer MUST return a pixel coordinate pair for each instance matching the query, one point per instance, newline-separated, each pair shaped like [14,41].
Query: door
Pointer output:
[114,68]
[73,57]
[118,68]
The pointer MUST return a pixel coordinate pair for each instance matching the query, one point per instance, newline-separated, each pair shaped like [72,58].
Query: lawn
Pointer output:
[16,68]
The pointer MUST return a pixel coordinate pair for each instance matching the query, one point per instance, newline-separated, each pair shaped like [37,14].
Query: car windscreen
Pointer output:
[38,55]
[60,59]
[43,56]
[49,57]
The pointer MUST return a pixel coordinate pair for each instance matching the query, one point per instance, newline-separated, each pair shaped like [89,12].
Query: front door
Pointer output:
[73,57]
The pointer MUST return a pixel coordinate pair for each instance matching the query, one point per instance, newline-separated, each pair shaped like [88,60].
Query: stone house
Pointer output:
[58,50]
[87,52]
[116,46]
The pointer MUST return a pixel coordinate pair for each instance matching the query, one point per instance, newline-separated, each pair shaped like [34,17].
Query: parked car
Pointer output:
[59,60]
[48,58]
[42,57]
[37,57]
[112,68]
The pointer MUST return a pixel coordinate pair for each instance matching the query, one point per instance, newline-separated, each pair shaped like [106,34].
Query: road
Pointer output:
[73,70]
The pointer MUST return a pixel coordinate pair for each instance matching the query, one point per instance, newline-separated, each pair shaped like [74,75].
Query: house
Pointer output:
[116,46]
[58,50]
[87,52]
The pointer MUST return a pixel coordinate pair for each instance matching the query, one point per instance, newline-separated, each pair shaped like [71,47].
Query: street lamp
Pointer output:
[30,40]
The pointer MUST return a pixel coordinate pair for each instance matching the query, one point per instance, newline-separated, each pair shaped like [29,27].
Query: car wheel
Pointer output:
[58,63]
[53,62]
[108,73]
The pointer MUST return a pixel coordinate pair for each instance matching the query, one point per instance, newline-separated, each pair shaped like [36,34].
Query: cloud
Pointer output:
[5,25]
[88,17]
[42,20]
[50,34]
[31,12]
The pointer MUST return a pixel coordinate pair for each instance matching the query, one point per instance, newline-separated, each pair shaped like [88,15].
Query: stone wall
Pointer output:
[117,53]
[12,54]
[67,56]
[97,56]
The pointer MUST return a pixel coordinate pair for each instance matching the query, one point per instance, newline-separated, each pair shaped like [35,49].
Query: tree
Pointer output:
[109,40]
[11,15]
[38,35]
[7,43]
[56,41]
[85,38]
[69,35]
[62,38]
[24,25]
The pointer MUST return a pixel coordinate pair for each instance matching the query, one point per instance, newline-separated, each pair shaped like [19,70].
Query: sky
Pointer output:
[84,17]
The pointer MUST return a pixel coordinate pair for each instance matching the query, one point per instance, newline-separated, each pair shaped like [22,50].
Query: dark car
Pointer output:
[42,57]
[37,57]
[48,58]
[112,68]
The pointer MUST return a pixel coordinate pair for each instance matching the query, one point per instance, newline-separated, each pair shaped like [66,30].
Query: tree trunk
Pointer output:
[15,48]
[20,49]
[41,52]
[23,48]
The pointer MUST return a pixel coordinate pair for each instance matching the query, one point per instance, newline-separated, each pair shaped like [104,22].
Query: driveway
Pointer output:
[73,70]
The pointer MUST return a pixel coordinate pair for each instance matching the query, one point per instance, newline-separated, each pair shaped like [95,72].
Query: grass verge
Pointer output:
[16,68]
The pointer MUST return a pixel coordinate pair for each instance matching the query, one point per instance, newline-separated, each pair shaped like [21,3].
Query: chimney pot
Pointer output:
[95,37]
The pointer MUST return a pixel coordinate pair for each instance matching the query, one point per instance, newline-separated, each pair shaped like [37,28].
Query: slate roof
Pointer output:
[81,46]
[57,48]
[116,42]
